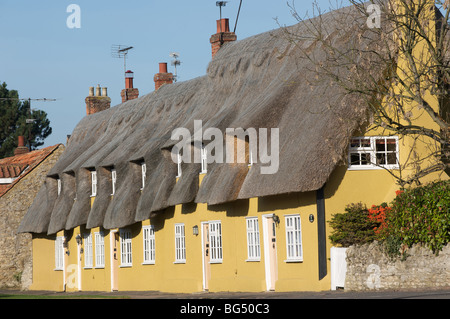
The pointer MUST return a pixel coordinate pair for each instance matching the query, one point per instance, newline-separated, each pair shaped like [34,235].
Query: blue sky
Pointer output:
[42,58]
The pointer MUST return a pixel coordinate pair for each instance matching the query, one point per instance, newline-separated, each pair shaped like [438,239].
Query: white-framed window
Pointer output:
[204,159]
[215,241]
[149,244]
[179,165]
[143,174]
[113,180]
[59,253]
[88,253]
[125,248]
[99,250]
[373,152]
[294,248]
[93,183]
[180,244]
[253,243]
[59,186]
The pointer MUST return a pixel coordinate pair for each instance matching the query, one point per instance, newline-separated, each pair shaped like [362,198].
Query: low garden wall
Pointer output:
[370,268]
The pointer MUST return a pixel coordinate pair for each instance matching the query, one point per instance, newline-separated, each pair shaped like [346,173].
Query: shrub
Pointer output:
[353,227]
[378,215]
[421,215]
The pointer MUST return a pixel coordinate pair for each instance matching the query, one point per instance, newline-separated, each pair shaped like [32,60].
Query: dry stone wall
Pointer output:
[369,268]
[15,249]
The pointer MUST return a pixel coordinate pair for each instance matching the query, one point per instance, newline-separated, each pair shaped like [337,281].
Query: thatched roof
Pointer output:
[259,82]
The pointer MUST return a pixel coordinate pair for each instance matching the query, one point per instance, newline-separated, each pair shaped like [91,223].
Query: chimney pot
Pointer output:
[223,25]
[99,102]
[163,68]
[21,148]
[129,93]
[162,77]
[21,141]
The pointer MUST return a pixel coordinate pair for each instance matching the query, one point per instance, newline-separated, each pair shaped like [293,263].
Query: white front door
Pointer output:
[270,251]
[206,252]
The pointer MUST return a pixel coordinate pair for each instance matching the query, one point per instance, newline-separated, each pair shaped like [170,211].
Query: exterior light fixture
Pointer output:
[311,218]
[195,230]
[276,219]
[78,239]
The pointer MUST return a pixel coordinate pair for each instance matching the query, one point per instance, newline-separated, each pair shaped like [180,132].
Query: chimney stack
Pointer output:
[129,93]
[222,36]
[99,102]
[162,77]
[21,148]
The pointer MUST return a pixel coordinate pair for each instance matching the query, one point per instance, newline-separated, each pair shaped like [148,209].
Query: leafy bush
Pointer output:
[353,227]
[421,215]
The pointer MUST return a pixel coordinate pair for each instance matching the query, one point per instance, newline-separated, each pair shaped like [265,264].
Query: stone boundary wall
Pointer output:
[369,268]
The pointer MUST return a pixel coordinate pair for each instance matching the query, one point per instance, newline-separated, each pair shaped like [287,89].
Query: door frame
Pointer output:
[266,218]
[114,259]
[206,266]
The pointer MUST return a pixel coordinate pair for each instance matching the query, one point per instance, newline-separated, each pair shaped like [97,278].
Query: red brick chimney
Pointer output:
[98,102]
[21,148]
[222,36]
[129,93]
[162,77]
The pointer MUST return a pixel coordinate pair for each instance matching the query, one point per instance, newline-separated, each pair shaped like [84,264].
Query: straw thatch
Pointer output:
[259,82]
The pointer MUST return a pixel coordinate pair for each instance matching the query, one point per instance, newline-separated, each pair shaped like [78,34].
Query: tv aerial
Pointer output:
[175,62]
[221,4]
[121,51]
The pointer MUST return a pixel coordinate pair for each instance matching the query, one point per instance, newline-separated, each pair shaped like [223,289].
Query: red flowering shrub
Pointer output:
[378,214]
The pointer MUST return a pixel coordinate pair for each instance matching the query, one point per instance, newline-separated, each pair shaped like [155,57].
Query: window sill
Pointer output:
[216,262]
[372,168]
[125,266]
[88,267]
[293,261]
[58,269]
[148,263]
[253,260]
[99,267]
[180,262]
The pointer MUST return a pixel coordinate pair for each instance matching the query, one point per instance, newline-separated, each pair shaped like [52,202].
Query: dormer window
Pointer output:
[204,159]
[94,183]
[143,174]
[113,180]
[59,186]
[178,165]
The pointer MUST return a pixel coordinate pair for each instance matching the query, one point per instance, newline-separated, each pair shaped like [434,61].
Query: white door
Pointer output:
[270,251]
[206,252]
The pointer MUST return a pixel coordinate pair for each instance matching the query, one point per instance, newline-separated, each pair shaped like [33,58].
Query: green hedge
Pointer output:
[421,215]
[416,215]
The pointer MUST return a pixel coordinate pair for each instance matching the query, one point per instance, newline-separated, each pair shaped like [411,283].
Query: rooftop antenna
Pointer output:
[221,4]
[237,18]
[175,62]
[121,51]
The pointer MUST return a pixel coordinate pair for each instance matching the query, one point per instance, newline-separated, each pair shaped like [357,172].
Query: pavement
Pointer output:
[337,294]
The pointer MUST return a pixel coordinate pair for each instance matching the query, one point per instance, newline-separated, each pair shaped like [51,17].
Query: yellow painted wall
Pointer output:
[45,277]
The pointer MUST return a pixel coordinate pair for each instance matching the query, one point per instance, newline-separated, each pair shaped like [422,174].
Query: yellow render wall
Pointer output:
[234,273]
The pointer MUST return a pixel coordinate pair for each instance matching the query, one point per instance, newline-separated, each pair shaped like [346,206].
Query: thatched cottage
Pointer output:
[116,212]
